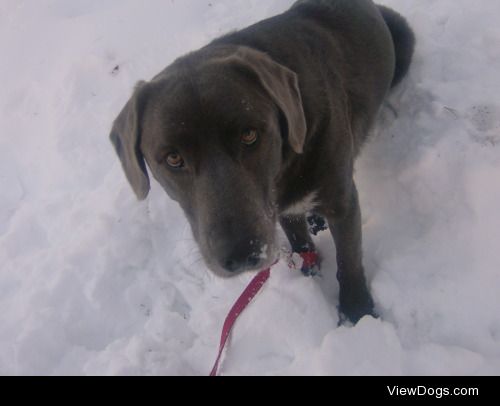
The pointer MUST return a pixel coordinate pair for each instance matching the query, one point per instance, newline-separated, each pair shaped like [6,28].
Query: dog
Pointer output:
[262,126]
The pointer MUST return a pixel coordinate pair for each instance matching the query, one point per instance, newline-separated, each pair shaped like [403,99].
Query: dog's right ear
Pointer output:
[126,138]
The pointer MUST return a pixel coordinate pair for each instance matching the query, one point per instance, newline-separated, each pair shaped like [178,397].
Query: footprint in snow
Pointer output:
[485,120]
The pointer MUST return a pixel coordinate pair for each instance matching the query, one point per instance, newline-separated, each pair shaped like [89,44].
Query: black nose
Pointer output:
[238,261]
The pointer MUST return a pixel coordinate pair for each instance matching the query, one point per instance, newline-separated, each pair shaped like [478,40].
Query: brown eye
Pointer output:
[175,160]
[249,137]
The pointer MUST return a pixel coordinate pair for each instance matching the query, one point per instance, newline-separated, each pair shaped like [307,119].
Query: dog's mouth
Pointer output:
[259,260]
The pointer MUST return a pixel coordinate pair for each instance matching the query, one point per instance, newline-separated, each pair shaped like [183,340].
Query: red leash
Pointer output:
[309,260]
[240,305]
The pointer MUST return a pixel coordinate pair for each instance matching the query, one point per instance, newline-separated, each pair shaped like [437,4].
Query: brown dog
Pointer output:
[264,125]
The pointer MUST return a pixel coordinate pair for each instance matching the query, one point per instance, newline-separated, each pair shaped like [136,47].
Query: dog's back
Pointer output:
[402,35]
[345,46]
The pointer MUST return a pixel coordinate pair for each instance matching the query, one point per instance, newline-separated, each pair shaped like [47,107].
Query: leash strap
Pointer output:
[309,260]
[240,305]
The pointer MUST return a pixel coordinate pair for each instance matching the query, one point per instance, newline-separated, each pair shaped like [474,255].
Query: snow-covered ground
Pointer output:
[93,282]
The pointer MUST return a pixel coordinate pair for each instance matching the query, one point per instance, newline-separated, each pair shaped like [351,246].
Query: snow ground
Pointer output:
[93,282]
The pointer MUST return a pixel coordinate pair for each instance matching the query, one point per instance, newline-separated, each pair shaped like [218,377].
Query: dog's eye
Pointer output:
[175,160]
[249,138]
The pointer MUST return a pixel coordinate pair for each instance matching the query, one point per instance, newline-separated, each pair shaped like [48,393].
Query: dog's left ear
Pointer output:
[283,86]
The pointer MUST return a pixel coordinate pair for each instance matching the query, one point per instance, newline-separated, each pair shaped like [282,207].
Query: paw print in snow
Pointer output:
[485,120]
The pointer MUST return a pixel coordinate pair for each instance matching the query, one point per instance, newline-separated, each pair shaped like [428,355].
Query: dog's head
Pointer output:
[214,128]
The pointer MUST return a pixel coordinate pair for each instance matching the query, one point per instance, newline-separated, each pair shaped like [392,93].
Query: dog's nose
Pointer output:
[237,262]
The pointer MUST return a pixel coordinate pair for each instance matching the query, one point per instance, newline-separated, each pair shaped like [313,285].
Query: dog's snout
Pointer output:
[242,257]
[237,263]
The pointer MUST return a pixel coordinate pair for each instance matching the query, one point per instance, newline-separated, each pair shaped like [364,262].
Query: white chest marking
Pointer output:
[303,206]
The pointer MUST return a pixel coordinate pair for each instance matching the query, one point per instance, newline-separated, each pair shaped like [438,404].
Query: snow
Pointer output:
[94,282]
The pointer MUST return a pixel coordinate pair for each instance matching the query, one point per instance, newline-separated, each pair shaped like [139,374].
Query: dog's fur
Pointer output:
[310,83]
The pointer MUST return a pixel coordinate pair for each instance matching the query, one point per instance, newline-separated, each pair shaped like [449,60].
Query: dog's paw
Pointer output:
[356,304]
[311,271]
[316,224]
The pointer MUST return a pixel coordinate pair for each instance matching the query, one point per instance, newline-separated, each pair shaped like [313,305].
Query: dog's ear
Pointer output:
[126,138]
[283,86]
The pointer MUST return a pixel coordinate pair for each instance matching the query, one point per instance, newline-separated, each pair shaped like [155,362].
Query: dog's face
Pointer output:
[217,150]
[213,131]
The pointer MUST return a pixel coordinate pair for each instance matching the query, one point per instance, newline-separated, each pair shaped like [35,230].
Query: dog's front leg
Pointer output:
[345,225]
[297,232]
[295,228]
